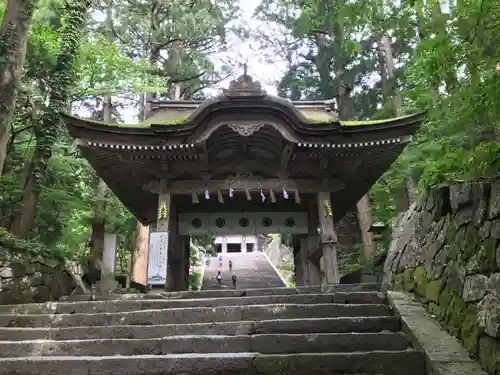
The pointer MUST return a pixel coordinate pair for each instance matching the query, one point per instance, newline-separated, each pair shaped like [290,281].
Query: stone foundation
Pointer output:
[446,250]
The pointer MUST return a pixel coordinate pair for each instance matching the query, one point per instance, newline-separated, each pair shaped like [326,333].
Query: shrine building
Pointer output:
[242,163]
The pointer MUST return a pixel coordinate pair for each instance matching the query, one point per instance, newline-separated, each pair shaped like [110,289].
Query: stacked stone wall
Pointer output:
[446,251]
[27,280]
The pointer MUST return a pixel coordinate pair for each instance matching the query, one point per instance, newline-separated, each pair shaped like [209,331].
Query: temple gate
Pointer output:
[244,162]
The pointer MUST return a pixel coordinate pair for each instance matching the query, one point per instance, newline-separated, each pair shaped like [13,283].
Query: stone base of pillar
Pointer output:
[330,264]
[311,271]
[314,271]
[107,284]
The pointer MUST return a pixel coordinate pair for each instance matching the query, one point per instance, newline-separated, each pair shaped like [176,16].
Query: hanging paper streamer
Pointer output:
[262,195]
[207,194]
[219,196]
[231,192]
[273,197]
[285,194]
[297,197]
[194,198]
[247,193]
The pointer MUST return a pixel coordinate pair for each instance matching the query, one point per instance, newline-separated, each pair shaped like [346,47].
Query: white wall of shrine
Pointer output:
[245,243]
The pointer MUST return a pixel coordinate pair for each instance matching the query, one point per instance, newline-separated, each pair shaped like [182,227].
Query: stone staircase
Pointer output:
[274,331]
[252,270]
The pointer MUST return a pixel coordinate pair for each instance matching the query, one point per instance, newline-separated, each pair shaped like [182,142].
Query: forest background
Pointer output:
[104,59]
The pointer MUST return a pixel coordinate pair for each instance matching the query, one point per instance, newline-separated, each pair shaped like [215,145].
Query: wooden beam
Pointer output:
[286,155]
[199,186]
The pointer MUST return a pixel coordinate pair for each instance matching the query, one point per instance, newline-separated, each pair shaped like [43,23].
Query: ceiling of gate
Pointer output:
[253,141]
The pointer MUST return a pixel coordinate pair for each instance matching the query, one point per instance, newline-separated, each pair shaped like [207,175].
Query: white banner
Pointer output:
[157,259]
[109,253]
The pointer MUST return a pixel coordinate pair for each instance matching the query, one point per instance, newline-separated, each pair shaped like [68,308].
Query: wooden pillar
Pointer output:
[140,256]
[187,264]
[311,268]
[297,261]
[328,238]
[166,223]
[304,262]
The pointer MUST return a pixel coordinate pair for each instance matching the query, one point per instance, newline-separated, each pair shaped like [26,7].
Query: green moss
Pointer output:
[489,354]
[445,298]
[457,317]
[435,310]
[455,313]
[469,332]
[408,282]
[144,125]
[451,234]
[373,122]
[183,120]
[398,282]
[421,281]
[487,255]
[433,290]
[471,243]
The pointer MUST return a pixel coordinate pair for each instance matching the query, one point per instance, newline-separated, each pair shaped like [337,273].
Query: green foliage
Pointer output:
[205,244]
[71,64]
[11,245]
[446,64]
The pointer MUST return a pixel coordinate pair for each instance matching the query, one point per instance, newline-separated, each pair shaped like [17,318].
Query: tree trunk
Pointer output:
[48,130]
[99,219]
[98,222]
[365,222]
[387,71]
[13,42]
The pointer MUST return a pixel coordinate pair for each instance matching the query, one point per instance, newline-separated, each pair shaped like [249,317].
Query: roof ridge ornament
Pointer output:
[244,86]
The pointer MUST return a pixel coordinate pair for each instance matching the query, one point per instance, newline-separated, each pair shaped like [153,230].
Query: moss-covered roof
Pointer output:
[180,117]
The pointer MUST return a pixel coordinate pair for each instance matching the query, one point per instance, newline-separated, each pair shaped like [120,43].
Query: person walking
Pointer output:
[219,277]
[230,265]
[233,279]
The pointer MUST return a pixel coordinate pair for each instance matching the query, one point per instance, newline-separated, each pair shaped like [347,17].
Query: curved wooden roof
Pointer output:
[244,131]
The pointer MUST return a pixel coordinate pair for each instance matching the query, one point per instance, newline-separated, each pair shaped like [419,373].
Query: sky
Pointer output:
[242,52]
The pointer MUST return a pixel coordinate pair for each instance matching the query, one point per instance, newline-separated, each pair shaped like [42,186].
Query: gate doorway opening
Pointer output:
[233,248]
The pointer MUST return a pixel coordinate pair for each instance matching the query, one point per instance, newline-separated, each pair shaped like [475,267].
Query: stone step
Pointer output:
[265,344]
[230,292]
[297,326]
[196,314]
[134,305]
[253,270]
[375,362]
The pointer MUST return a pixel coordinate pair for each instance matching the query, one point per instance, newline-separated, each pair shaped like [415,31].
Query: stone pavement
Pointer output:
[348,330]
[252,270]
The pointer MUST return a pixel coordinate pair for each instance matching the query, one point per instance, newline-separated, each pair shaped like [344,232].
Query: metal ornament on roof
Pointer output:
[244,86]
[245,130]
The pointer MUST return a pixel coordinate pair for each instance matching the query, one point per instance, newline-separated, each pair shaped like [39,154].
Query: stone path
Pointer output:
[349,330]
[252,270]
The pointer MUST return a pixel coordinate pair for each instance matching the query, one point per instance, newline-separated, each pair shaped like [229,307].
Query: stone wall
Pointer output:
[446,250]
[28,280]
[281,256]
